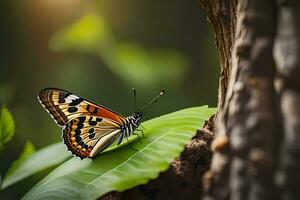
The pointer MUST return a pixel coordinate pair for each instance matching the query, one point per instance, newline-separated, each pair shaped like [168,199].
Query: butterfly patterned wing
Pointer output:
[88,135]
[64,106]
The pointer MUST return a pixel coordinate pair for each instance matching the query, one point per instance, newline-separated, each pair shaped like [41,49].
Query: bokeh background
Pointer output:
[100,50]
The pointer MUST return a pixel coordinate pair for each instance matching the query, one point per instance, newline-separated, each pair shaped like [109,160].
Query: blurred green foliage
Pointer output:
[100,50]
[27,151]
[143,67]
[133,63]
[7,127]
[90,33]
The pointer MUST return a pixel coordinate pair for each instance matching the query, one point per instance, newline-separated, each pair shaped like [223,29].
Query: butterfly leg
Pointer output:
[142,131]
[137,136]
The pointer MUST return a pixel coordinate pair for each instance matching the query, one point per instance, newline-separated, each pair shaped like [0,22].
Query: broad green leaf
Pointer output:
[27,151]
[7,127]
[123,167]
[30,163]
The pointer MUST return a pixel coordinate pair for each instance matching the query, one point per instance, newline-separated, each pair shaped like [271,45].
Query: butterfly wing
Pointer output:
[88,128]
[88,135]
[64,106]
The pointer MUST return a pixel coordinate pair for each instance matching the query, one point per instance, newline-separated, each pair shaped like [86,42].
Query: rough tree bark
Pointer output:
[222,15]
[248,119]
[287,56]
[247,162]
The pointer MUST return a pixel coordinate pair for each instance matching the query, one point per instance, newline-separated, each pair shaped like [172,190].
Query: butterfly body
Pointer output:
[88,128]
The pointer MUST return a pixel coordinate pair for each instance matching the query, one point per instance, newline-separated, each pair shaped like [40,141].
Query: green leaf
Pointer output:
[7,127]
[30,163]
[27,151]
[123,168]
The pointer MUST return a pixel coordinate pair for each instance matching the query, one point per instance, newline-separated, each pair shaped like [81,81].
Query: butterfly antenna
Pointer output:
[155,99]
[134,96]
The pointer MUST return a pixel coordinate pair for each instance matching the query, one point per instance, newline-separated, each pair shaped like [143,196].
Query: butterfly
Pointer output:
[88,128]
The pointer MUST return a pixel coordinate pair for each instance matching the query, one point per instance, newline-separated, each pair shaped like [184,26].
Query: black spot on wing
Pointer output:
[77,132]
[91,136]
[72,109]
[76,102]
[66,95]
[81,119]
[99,119]
[79,126]
[91,130]
[78,139]
[95,110]
[61,99]
[93,123]
[88,107]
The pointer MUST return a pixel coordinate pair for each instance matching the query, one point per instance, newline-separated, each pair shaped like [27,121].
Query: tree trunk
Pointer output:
[287,57]
[222,15]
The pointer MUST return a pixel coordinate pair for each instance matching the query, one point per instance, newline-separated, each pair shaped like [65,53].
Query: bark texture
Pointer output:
[257,148]
[287,56]
[222,15]
[243,167]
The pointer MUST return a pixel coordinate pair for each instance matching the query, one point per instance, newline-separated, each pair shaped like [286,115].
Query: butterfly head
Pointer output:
[137,116]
